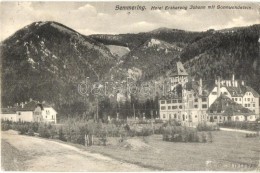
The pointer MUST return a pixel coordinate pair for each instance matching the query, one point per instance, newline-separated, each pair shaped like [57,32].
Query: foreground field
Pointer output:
[230,151]
[24,153]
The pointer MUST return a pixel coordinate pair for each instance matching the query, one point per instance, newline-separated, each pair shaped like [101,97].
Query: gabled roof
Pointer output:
[249,89]
[30,106]
[228,107]
[178,70]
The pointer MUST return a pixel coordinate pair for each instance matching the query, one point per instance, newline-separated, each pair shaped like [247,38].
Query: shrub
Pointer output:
[203,138]
[61,135]
[207,127]
[158,121]
[5,126]
[141,131]
[180,134]
[254,126]
[44,131]
[30,132]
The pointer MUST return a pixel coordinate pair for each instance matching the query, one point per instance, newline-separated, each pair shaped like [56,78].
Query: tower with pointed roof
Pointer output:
[178,75]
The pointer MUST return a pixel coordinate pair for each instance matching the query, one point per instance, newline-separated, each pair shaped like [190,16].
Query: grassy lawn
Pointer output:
[229,151]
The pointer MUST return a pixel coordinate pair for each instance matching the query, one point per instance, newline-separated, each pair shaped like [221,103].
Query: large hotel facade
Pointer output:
[191,101]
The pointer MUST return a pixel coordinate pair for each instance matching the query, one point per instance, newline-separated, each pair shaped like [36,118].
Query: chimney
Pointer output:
[242,82]
[200,87]
[22,104]
[216,81]
[235,83]
[218,87]
[30,99]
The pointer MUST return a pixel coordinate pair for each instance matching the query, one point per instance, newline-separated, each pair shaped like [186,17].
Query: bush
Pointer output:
[203,138]
[141,131]
[252,135]
[61,135]
[30,132]
[207,127]
[158,121]
[254,126]
[43,131]
[180,134]
[5,126]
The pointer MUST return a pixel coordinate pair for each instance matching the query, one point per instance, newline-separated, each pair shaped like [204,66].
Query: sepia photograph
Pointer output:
[121,86]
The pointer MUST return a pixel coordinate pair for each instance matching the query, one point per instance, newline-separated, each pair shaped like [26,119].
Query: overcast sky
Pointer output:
[96,18]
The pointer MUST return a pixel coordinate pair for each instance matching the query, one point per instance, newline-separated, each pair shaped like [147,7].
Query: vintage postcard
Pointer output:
[130,86]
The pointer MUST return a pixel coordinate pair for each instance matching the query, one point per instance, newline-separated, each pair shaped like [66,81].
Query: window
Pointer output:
[179,101]
[175,116]
[245,105]
[215,117]
[195,100]
[163,107]
[248,99]
[168,101]
[162,102]
[252,99]
[235,99]
[225,93]
[240,99]
[245,99]
[195,116]
[52,117]
[174,101]
[211,111]
[253,105]
[163,115]
[180,107]
[248,105]
[170,116]
[19,113]
[46,116]
[214,93]
[169,107]
[204,106]
[195,106]
[47,112]
[174,107]
[204,99]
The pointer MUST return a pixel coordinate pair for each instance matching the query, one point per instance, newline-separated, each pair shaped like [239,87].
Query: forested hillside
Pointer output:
[47,60]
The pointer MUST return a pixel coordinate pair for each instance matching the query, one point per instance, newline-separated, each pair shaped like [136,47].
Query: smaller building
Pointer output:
[32,111]
[9,114]
[224,109]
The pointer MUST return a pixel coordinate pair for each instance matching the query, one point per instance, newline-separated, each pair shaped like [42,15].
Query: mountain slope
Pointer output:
[46,60]
[226,53]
